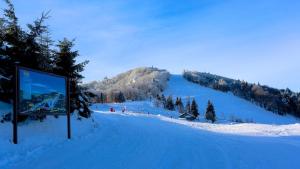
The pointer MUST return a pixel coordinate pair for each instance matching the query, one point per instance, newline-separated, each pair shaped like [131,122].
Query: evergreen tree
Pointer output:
[177,101]
[102,97]
[163,100]
[298,108]
[188,107]
[157,101]
[194,109]
[33,49]
[210,112]
[170,104]
[38,53]
[120,98]
[11,38]
[46,43]
[19,46]
[65,64]
[180,106]
[158,97]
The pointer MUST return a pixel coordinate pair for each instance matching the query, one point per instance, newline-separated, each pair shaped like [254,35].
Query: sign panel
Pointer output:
[41,93]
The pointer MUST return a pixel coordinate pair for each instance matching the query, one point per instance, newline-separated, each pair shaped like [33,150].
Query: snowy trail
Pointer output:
[131,141]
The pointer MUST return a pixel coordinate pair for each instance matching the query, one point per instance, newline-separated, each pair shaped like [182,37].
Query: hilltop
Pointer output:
[135,84]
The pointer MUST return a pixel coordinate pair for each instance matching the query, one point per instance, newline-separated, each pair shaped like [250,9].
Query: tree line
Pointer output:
[34,48]
[282,101]
[111,97]
[189,111]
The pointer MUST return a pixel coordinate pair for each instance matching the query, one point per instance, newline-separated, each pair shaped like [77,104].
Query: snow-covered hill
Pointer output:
[281,101]
[227,105]
[136,84]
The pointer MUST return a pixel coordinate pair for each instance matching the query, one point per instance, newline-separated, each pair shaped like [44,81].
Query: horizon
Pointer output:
[255,41]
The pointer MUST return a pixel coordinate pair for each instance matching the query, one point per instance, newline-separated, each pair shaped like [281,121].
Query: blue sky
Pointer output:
[254,40]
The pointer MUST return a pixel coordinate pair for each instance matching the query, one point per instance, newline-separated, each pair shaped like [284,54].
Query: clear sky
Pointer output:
[253,40]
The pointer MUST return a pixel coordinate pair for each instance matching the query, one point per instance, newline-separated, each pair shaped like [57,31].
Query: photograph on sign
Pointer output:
[41,93]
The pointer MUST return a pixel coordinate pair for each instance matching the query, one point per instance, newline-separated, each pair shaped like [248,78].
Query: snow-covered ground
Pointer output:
[148,137]
[134,140]
[146,108]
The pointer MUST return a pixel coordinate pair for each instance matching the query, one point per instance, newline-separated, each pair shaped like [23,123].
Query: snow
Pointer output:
[135,140]
[226,104]
[146,109]
[138,83]
[36,137]
[148,137]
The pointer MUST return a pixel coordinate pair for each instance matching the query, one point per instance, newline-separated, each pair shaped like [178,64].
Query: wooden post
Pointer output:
[68,109]
[15,105]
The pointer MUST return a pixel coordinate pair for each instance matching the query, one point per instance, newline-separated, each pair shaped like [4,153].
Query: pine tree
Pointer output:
[210,112]
[298,106]
[65,64]
[47,53]
[19,46]
[158,97]
[177,101]
[188,107]
[36,56]
[11,37]
[180,106]
[170,104]
[194,109]
[121,97]
[157,101]
[163,100]
[33,49]
[102,97]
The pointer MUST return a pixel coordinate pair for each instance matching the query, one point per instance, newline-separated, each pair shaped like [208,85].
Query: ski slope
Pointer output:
[226,105]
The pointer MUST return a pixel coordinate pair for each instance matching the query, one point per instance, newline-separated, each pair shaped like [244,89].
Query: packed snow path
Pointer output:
[118,140]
